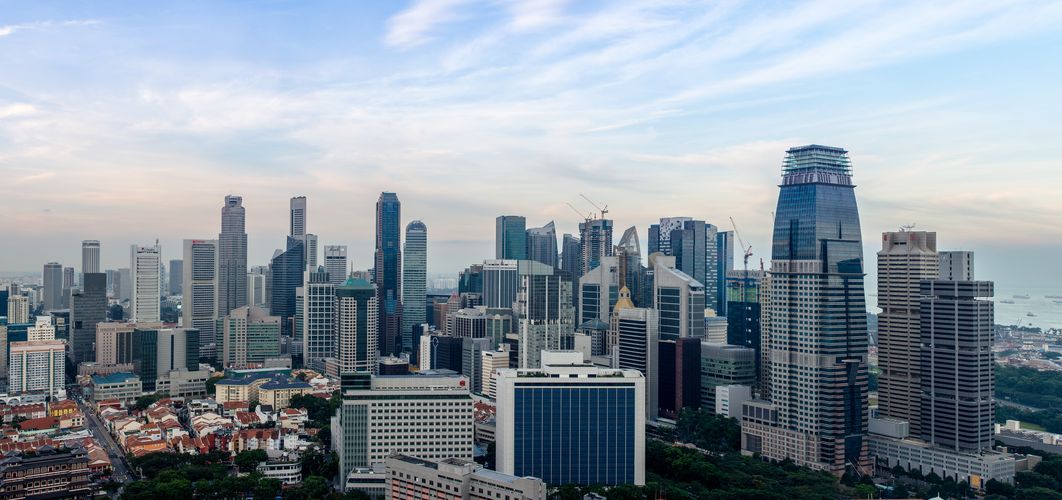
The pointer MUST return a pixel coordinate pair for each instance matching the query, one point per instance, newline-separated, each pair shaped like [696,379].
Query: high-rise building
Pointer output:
[315,327]
[501,281]
[571,259]
[743,310]
[335,262]
[631,270]
[37,367]
[53,286]
[298,216]
[286,272]
[356,326]
[414,281]
[595,242]
[695,249]
[388,271]
[472,350]
[906,258]
[723,364]
[90,256]
[42,329]
[145,272]
[257,287]
[88,308]
[158,351]
[232,256]
[510,237]
[114,343]
[199,303]
[637,347]
[542,244]
[68,284]
[724,251]
[956,320]
[814,321]
[429,416]
[544,312]
[249,335]
[598,291]
[679,384]
[679,299]
[176,282]
[492,362]
[17,309]
[660,234]
[957,265]
[549,422]
[124,290]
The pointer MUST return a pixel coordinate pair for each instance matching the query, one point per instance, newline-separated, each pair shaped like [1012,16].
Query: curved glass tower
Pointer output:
[814,346]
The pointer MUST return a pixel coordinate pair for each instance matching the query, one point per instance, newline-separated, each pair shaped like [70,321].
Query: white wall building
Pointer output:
[37,367]
[146,277]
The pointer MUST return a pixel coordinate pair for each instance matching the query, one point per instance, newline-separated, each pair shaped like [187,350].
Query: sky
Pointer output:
[128,122]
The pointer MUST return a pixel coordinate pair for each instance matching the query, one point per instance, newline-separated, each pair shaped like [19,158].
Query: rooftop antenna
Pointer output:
[907,227]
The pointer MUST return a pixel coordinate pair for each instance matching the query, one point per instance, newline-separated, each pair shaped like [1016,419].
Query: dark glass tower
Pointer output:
[814,321]
[388,270]
[542,244]
[285,271]
[232,256]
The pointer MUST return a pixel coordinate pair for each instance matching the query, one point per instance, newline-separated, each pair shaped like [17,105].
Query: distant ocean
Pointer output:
[1048,314]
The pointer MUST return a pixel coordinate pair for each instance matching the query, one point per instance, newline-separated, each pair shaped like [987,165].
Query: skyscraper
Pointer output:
[37,367]
[542,244]
[814,321]
[68,284]
[695,248]
[595,242]
[631,270]
[724,264]
[906,258]
[388,271]
[957,371]
[88,307]
[743,310]
[571,260]
[501,281]
[544,311]
[510,237]
[53,286]
[145,302]
[232,256]
[678,298]
[637,344]
[17,309]
[957,265]
[298,216]
[90,256]
[318,314]
[355,326]
[414,281]
[660,234]
[199,306]
[176,276]
[286,273]
[249,335]
[335,262]
[598,292]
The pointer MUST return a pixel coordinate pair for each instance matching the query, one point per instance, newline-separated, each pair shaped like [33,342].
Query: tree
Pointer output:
[143,402]
[212,383]
[247,461]
[994,487]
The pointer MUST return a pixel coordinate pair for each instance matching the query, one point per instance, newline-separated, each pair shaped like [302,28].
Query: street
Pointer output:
[93,423]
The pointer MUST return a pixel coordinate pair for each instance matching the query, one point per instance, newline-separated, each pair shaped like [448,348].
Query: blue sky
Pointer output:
[129,121]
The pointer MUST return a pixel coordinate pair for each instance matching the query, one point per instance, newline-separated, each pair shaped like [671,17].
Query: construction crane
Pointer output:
[747,249]
[599,209]
[587,218]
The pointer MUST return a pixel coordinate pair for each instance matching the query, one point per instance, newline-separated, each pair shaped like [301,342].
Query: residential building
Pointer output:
[37,367]
[232,256]
[414,281]
[510,237]
[145,272]
[388,272]
[199,303]
[549,422]
[456,479]
[249,335]
[814,346]
[542,244]
[355,324]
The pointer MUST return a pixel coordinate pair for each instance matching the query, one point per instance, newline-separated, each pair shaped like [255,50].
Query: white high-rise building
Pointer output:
[37,367]
[355,324]
[199,306]
[146,275]
[317,316]
[90,256]
[335,262]
[492,362]
[256,289]
[414,281]
[41,330]
[298,216]
[957,265]
[17,309]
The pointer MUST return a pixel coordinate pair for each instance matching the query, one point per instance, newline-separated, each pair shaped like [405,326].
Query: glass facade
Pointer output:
[388,268]
[581,434]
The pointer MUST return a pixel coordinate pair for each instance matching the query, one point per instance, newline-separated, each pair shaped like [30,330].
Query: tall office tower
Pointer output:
[571,259]
[317,333]
[125,285]
[957,265]
[500,282]
[724,251]
[176,283]
[695,249]
[637,346]
[549,422]
[598,291]
[492,362]
[906,258]
[249,335]
[113,280]
[88,308]
[414,281]
[232,256]
[388,271]
[335,262]
[472,350]
[433,413]
[542,244]
[679,300]
[631,270]
[114,343]
[311,251]
[37,367]
[17,309]
[544,311]
[199,305]
[90,256]
[356,324]
[956,319]
[510,237]
[53,286]
[743,310]
[158,351]
[715,327]
[5,294]
[257,287]
[471,280]
[298,216]
[147,282]
[595,242]
[723,364]
[660,234]
[68,284]
[814,321]
[286,271]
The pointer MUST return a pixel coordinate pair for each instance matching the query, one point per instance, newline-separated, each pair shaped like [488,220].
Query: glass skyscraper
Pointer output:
[232,256]
[510,237]
[414,281]
[542,244]
[388,270]
[286,272]
[814,321]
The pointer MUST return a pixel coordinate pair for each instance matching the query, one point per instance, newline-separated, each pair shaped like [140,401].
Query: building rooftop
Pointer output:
[280,383]
[113,378]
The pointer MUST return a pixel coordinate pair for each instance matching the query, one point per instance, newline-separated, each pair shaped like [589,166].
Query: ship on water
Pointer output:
[1020,296]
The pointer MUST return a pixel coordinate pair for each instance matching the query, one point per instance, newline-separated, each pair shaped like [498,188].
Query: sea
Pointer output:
[1047,314]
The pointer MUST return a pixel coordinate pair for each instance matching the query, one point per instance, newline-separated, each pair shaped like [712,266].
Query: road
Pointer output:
[93,423]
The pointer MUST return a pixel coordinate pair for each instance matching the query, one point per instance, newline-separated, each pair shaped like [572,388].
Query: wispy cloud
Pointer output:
[414,26]
[12,28]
